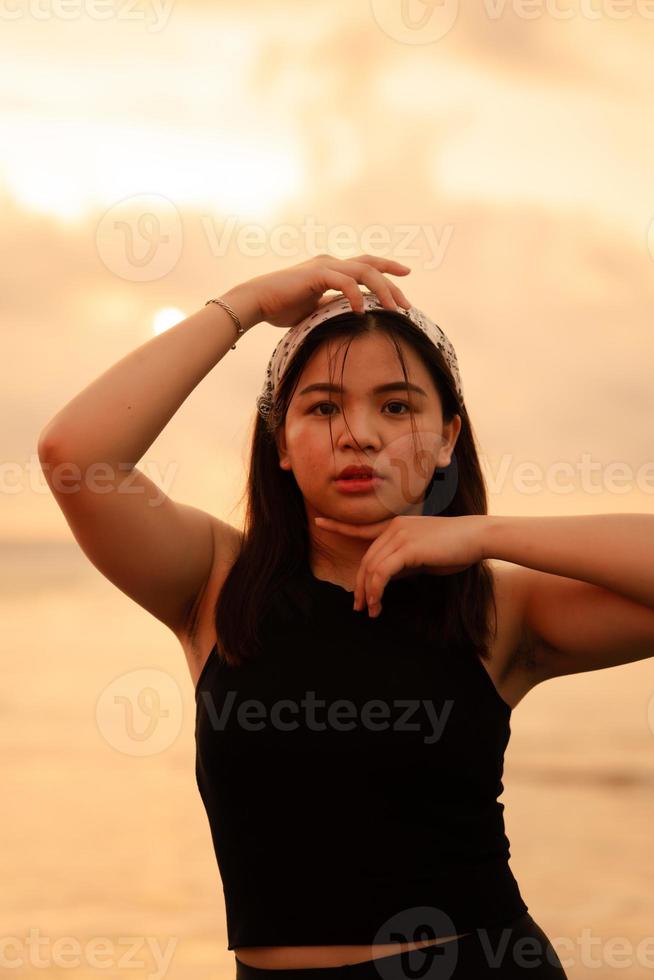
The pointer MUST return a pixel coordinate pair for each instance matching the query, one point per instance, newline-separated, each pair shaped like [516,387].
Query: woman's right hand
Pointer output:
[284,298]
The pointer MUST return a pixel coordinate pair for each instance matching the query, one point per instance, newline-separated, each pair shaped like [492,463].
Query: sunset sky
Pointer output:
[508,159]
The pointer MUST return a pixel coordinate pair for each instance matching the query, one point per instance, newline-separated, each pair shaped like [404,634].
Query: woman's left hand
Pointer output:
[409,545]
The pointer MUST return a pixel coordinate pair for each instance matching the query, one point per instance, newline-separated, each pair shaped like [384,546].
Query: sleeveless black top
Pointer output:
[352,773]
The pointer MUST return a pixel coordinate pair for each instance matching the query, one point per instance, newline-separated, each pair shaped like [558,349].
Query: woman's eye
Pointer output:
[334,405]
[319,405]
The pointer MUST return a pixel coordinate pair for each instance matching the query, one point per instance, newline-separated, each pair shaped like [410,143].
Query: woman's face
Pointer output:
[379,420]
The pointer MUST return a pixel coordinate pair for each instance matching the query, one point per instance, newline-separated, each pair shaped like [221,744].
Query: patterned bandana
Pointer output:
[293,338]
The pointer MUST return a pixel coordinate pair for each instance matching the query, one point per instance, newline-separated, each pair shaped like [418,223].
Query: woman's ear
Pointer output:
[280,442]
[450,435]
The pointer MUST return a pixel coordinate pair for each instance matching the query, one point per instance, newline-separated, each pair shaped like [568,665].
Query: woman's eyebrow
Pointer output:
[389,386]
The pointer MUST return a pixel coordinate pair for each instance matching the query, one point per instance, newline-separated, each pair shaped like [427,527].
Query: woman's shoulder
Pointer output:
[508,664]
[200,636]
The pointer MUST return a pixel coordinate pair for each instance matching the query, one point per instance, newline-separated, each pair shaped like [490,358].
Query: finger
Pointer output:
[387,566]
[399,296]
[385,544]
[368,585]
[374,279]
[388,292]
[380,262]
[331,279]
[324,300]
[393,267]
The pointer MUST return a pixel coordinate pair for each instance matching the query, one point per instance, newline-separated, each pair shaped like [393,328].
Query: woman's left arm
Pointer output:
[586,586]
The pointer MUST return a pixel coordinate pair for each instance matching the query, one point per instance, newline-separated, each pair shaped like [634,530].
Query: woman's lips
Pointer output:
[351,484]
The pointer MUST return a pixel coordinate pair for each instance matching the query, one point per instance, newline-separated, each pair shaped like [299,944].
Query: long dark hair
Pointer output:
[451,608]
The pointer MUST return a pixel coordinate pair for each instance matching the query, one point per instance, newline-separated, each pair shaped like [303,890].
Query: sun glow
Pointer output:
[165,318]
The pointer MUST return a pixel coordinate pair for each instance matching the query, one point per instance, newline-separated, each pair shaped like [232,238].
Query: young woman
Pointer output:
[355,678]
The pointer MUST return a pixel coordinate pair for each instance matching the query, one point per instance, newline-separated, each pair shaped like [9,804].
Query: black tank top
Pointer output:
[352,773]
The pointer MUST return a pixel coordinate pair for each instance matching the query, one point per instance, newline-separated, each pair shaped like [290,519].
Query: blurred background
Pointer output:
[153,156]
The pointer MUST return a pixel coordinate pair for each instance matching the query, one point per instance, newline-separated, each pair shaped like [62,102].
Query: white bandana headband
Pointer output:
[293,338]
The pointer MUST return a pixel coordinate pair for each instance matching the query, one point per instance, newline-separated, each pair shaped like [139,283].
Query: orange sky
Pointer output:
[508,161]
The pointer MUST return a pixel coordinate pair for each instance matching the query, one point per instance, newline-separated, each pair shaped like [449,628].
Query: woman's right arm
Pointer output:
[118,416]
[159,552]
[156,550]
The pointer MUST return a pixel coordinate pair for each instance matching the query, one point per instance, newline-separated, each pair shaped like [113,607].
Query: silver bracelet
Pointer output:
[239,329]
